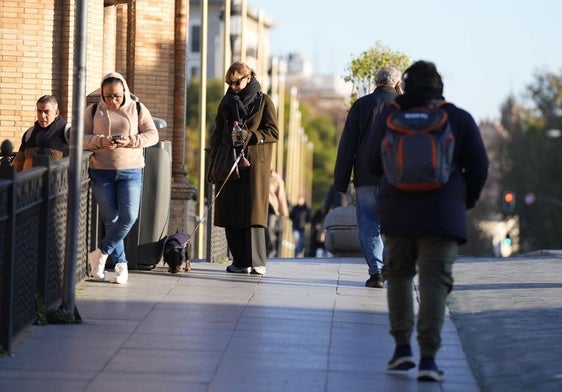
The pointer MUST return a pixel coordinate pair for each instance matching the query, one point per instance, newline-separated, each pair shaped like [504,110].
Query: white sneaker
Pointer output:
[121,273]
[258,270]
[97,260]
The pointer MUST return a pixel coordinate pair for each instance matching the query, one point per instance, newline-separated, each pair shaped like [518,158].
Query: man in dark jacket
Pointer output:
[424,229]
[49,133]
[352,155]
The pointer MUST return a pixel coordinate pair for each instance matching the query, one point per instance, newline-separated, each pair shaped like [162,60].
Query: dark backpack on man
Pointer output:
[417,148]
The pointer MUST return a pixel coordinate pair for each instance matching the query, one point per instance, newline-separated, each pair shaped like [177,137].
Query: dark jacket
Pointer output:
[56,139]
[244,202]
[443,211]
[300,216]
[352,150]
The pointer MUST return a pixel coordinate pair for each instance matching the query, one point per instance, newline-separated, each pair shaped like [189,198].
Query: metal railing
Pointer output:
[33,227]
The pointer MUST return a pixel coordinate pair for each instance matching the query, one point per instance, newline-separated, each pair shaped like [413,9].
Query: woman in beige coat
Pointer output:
[242,206]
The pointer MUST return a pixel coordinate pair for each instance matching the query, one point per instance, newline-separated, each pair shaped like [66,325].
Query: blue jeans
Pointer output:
[118,194]
[298,236]
[368,226]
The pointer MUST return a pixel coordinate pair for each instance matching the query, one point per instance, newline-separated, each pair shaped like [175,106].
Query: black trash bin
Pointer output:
[143,244]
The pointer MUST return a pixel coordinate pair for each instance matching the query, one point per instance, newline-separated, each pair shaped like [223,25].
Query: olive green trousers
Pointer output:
[432,258]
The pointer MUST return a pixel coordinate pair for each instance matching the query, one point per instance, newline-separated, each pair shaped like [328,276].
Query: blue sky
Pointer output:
[485,50]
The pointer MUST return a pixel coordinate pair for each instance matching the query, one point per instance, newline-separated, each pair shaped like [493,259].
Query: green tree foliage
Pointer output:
[362,70]
[322,132]
[546,93]
[531,160]
[193,148]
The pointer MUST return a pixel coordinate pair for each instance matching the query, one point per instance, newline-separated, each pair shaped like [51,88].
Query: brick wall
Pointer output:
[26,63]
[154,61]
[37,55]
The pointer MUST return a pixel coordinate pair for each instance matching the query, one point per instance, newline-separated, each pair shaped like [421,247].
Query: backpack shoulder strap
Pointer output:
[67,132]
[27,134]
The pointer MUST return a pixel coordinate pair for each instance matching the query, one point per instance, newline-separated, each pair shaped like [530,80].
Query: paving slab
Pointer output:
[508,313]
[307,325]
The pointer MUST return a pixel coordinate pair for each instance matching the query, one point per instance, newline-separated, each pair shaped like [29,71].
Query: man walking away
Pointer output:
[352,155]
[423,228]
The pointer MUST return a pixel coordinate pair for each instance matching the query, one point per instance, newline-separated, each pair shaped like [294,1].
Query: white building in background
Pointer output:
[323,91]
[256,39]
[326,93]
[298,64]
[300,72]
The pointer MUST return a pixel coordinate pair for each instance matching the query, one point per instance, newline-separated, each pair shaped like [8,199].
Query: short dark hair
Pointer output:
[48,99]
[422,75]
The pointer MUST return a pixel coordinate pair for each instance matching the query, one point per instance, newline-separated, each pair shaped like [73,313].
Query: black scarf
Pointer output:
[55,135]
[238,105]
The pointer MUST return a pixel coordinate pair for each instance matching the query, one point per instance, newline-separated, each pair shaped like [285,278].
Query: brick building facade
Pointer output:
[145,40]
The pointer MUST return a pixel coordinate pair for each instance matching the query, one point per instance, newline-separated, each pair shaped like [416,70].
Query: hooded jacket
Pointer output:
[126,121]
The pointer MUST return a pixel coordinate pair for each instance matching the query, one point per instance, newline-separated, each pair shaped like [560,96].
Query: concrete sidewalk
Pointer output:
[509,316]
[308,325]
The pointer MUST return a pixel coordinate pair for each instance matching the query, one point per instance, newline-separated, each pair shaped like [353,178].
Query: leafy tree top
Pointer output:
[362,70]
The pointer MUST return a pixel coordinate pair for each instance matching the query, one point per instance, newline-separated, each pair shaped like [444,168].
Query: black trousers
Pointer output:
[247,246]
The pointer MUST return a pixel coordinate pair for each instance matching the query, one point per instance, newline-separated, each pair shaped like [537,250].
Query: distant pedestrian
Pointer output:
[278,213]
[51,127]
[317,235]
[352,156]
[300,216]
[423,230]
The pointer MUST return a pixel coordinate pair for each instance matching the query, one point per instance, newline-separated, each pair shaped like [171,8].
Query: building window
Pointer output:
[251,52]
[195,39]
[194,73]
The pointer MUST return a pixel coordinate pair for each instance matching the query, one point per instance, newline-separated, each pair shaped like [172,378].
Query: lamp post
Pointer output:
[235,29]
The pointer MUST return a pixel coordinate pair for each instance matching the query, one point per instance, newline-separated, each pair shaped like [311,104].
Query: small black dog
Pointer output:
[177,250]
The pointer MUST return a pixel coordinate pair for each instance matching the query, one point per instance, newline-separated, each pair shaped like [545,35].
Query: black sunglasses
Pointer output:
[237,82]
